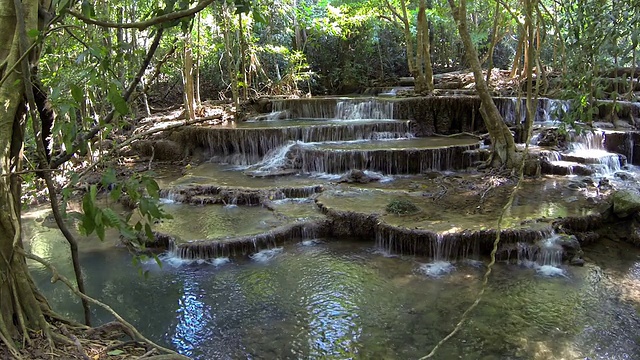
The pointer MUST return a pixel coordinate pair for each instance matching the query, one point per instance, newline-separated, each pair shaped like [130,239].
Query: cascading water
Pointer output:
[249,142]
[545,256]
[589,148]
[441,264]
[335,108]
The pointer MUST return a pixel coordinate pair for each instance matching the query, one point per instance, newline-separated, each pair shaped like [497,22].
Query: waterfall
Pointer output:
[334,108]
[246,146]
[385,161]
[589,148]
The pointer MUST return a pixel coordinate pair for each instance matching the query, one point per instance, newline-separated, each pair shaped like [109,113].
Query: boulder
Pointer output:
[571,248]
[626,203]
[359,176]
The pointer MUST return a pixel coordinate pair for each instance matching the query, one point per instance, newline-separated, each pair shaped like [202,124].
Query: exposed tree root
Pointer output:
[461,134]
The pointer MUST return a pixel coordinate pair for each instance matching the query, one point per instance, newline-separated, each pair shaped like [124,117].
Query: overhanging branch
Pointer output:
[141,25]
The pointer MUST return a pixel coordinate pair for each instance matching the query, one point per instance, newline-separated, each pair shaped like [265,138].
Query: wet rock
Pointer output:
[571,248]
[604,184]
[626,203]
[533,166]
[623,175]
[603,125]
[588,237]
[621,124]
[164,150]
[553,138]
[577,262]
[359,176]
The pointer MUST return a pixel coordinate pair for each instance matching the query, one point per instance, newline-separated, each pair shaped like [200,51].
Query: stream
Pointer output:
[318,266]
[344,299]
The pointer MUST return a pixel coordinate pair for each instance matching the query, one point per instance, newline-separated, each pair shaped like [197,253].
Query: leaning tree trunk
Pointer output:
[20,306]
[503,144]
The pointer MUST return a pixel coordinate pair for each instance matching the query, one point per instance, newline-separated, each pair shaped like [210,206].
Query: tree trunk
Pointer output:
[407,37]
[187,78]
[21,307]
[424,78]
[494,40]
[196,69]
[503,145]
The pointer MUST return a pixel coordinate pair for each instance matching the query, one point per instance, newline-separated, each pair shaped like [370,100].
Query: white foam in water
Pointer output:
[265,255]
[311,242]
[550,271]
[385,253]
[293,201]
[275,159]
[219,261]
[327,176]
[437,268]
[376,175]
[166,201]
[474,263]
[176,262]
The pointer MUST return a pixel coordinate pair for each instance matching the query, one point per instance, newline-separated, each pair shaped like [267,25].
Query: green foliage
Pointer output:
[141,190]
[402,207]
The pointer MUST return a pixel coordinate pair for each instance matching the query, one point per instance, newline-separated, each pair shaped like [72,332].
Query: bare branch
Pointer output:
[141,25]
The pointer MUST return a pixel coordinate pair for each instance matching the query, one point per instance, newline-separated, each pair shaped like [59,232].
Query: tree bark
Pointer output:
[187,79]
[502,142]
[20,306]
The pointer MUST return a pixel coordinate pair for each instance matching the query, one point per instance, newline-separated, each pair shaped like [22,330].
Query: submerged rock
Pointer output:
[626,203]
[402,207]
[359,176]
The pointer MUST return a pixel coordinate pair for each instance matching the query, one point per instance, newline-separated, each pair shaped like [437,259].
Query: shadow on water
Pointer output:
[343,299]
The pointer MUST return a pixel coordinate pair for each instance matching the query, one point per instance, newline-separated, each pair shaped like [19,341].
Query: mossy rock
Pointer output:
[402,207]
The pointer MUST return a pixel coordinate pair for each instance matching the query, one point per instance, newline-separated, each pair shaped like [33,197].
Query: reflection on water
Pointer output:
[338,300]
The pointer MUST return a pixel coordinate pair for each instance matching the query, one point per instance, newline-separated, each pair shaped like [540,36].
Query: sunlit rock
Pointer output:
[626,203]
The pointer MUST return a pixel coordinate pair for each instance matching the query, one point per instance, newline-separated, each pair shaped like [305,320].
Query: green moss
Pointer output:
[402,207]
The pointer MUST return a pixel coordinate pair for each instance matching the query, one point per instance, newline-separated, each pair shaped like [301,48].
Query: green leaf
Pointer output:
[115,352]
[88,209]
[88,9]
[33,33]
[112,219]
[108,178]
[144,206]
[77,93]
[157,259]
[100,231]
[148,231]
[153,188]
[116,193]
[117,100]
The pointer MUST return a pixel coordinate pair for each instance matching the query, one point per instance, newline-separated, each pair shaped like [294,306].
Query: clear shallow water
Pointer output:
[193,222]
[338,300]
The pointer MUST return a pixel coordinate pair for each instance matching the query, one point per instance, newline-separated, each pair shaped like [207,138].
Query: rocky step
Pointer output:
[252,140]
[560,167]
[391,157]
[199,194]
[595,157]
[242,245]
